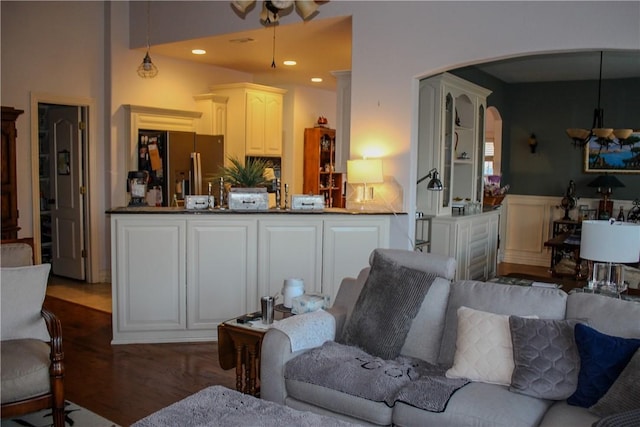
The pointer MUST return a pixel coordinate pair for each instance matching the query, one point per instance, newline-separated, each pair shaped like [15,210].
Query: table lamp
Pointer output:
[605,185]
[364,171]
[607,244]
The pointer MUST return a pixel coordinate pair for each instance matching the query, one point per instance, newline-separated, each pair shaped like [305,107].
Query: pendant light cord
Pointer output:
[273,60]
[148,22]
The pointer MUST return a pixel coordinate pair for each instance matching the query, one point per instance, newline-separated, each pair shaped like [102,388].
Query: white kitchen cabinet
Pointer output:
[289,249]
[148,280]
[471,239]
[253,118]
[451,140]
[219,254]
[348,243]
[176,276]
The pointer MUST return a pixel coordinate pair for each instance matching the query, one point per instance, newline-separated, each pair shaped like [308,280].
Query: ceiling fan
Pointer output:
[272,9]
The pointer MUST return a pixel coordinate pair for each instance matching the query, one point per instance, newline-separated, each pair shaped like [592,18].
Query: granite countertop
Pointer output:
[182,211]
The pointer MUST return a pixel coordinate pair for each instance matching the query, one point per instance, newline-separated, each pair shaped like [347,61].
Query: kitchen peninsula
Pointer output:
[177,273]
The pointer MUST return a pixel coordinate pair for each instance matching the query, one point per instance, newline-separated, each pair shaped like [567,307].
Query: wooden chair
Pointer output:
[22,394]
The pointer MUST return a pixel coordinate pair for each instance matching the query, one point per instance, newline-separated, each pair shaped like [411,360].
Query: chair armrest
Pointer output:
[55,331]
[277,348]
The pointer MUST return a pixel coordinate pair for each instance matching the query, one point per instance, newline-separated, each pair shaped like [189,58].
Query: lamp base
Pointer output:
[605,209]
[607,277]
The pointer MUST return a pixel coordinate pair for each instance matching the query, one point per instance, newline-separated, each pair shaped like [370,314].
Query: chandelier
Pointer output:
[271,10]
[603,136]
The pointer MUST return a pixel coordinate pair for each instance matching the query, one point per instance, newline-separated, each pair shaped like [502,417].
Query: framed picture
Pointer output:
[590,214]
[582,211]
[613,156]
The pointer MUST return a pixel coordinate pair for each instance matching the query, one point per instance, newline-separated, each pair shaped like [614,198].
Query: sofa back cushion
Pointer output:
[546,303]
[608,315]
[425,334]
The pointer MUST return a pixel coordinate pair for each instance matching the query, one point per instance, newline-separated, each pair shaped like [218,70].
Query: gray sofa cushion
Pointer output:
[546,360]
[561,414]
[624,394]
[389,301]
[478,404]
[500,299]
[425,334]
[611,316]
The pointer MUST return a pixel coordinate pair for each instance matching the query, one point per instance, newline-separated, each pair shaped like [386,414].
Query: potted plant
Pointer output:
[247,184]
[247,175]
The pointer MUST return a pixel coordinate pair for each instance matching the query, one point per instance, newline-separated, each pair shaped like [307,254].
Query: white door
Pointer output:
[67,211]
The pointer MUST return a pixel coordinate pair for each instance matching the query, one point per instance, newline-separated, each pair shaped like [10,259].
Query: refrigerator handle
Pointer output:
[196,174]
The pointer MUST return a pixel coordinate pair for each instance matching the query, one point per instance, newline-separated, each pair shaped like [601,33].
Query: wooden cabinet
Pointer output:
[253,117]
[9,184]
[451,139]
[176,277]
[471,239]
[320,176]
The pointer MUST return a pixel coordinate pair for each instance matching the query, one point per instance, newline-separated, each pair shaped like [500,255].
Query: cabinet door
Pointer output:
[255,123]
[221,271]
[273,125]
[289,248]
[148,258]
[348,243]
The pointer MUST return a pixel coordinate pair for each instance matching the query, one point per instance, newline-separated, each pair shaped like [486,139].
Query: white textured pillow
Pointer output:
[23,292]
[484,351]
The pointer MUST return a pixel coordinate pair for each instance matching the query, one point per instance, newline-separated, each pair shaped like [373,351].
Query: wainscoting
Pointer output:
[526,223]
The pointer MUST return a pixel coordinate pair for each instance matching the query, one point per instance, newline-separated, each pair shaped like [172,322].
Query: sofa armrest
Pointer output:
[280,344]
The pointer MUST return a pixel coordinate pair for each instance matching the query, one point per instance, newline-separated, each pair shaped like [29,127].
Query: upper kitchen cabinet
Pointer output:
[451,140]
[253,117]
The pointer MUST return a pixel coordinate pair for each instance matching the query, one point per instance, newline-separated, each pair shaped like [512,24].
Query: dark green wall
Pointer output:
[547,109]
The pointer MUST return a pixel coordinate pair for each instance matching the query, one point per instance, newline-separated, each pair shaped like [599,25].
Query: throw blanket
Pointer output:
[351,370]
[308,330]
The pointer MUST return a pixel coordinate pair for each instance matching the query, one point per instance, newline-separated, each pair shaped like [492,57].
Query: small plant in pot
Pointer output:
[247,175]
[248,184]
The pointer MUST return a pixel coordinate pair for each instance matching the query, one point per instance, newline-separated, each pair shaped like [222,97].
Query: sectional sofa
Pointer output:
[517,353]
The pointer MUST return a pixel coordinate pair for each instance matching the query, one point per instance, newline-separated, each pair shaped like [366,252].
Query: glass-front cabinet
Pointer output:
[451,140]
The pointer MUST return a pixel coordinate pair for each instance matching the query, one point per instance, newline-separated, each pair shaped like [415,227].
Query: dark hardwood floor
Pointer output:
[125,383]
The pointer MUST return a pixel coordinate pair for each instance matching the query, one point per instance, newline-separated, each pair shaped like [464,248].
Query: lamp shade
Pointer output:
[606,181]
[606,241]
[364,171]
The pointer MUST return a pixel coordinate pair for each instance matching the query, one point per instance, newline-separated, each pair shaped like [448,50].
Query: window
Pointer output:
[488,158]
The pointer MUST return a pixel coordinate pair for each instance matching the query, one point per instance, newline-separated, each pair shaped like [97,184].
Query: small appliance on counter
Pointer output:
[137,185]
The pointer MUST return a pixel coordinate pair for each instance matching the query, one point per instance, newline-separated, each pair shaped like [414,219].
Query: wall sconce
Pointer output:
[434,184]
[533,143]
[364,171]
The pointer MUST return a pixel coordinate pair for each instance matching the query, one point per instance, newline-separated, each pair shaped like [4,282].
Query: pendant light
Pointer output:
[147,69]
[604,136]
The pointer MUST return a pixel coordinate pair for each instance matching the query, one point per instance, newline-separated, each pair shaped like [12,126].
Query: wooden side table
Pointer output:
[239,347]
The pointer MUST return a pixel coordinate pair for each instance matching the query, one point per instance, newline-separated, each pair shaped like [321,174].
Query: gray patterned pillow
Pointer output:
[623,394]
[386,306]
[546,358]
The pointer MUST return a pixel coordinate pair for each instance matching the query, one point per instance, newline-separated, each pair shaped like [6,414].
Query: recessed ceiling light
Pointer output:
[198,51]
[289,62]
[316,79]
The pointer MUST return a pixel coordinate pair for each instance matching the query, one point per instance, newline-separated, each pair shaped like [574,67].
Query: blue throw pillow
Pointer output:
[602,359]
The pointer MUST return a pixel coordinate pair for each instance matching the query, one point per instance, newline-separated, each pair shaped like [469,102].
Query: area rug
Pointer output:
[75,416]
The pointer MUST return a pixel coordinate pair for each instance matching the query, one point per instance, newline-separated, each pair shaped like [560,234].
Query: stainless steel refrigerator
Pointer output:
[170,158]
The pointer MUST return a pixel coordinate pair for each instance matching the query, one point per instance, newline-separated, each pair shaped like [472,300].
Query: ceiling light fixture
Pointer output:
[598,133]
[290,63]
[198,51]
[271,10]
[316,79]
[147,69]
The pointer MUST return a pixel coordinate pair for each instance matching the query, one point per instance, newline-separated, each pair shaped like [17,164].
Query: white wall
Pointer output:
[57,47]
